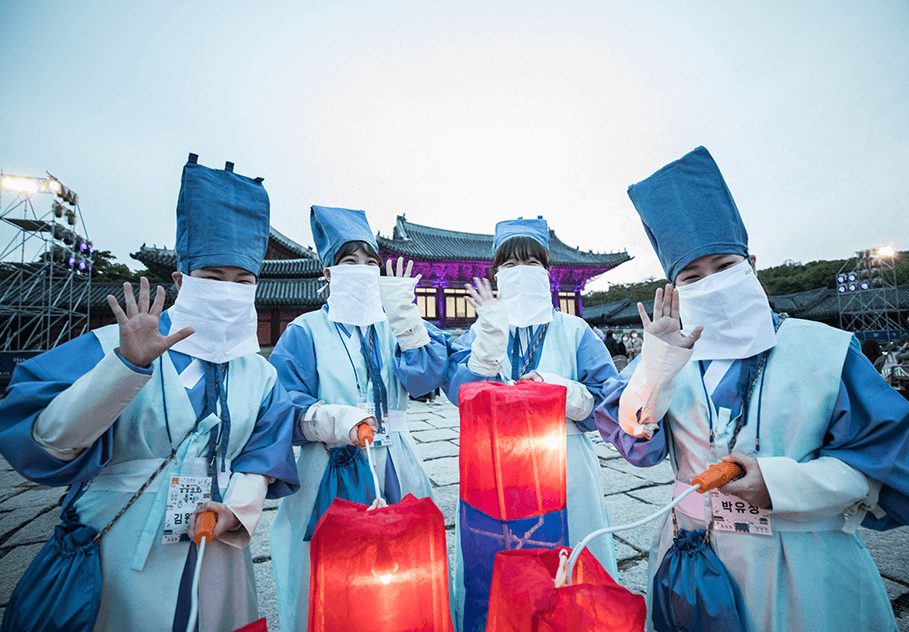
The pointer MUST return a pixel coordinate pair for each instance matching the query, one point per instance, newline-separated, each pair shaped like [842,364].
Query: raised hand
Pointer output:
[401,272]
[666,324]
[481,294]
[140,341]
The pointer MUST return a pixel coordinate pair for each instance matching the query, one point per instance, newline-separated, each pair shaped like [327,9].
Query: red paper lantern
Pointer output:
[524,596]
[512,448]
[383,569]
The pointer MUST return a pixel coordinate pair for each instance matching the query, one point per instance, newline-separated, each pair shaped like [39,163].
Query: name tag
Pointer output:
[183,496]
[734,515]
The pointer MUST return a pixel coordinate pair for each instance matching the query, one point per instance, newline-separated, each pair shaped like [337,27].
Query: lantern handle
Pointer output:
[634,525]
[715,476]
[379,502]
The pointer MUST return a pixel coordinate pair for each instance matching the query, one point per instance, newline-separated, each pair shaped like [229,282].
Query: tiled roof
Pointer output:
[434,244]
[269,293]
[290,293]
[281,240]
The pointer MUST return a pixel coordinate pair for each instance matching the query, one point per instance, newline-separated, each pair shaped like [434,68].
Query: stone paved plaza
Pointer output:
[29,512]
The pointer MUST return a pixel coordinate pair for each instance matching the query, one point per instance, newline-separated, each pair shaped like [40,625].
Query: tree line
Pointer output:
[789,277]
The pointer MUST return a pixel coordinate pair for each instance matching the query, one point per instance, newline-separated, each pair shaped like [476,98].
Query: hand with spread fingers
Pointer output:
[400,272]
[480,293]
[666,324]
[140,341]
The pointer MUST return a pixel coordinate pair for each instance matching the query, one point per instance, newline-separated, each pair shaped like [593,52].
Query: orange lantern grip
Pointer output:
[364,434]
[717,475]
[205,527]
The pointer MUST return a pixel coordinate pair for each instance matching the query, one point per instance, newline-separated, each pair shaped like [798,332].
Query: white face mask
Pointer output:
[525,290]
[223,315]
[353,297]
[735,313]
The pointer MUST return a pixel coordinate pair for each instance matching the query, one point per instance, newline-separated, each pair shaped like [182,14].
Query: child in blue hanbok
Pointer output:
[111,406]
[519,336]
[353,362]
[822,438]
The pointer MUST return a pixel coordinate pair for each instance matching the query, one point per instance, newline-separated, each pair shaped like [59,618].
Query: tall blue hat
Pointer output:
[533,228]
[688,212]
[334,227]
[222,219]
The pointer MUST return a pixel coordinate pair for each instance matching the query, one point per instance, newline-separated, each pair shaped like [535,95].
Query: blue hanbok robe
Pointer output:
[821,398]
[571,350]
[319,361]
[142,576]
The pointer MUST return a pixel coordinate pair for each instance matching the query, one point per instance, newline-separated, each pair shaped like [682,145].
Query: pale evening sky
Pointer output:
[462,114]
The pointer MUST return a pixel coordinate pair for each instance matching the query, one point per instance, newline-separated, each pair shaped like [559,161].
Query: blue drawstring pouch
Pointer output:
[348,477]
[693,591]
[61,589]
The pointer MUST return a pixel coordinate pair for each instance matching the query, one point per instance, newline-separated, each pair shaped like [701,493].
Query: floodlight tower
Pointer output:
[867,294]
[45,265]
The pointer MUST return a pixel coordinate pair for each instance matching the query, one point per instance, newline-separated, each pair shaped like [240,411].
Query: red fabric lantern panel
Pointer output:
[512,448]
[256,626]
[384,569]
[524,596]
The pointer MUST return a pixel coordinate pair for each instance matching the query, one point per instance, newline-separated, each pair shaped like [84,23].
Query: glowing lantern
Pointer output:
[524,596]
[383,569]
[513,479]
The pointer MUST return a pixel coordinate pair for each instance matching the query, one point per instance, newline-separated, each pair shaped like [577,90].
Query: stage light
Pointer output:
[841,279]
[71,261]
[841,288]
[852,277]
[58,209]
[864,285]
[885,251]
[852,287]
[25,184]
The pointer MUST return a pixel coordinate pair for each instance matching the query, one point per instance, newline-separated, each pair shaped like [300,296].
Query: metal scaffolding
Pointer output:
[45,266]
[867,294]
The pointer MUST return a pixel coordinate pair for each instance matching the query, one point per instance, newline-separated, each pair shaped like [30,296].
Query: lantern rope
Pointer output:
[379,502]
[634,525]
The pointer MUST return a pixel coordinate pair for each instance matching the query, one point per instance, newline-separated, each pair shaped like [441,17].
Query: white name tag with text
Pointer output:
[734,515]
[183,496]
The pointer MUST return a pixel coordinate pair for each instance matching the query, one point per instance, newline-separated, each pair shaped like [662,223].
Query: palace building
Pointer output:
[289,282]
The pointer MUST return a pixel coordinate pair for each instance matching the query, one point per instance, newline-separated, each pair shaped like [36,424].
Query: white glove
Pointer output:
[397,294]
[334,423]
[490,344]
[578,400]
[245,496]
[646,398]
[83,412]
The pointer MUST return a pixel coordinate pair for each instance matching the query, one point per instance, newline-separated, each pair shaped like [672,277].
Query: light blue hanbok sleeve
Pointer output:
[595,370]
[35,383]
[458,373]
[294,358]
[269,449]
[636,450]
[869,430]
[425,368]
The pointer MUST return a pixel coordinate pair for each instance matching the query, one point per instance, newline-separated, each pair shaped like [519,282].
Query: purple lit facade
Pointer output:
[447,260]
